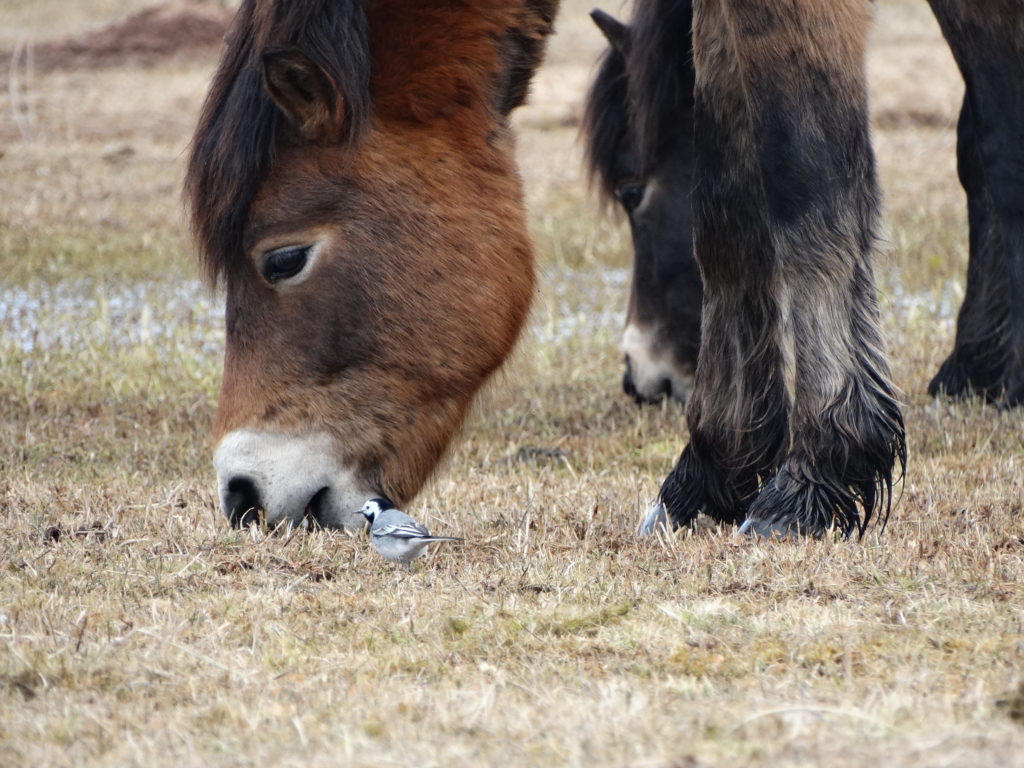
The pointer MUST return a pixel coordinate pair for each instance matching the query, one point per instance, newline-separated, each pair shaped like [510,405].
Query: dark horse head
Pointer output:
[352,186]
[638,126]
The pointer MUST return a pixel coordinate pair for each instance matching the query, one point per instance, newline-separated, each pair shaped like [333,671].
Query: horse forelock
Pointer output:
[465,63]
[606,122]
[635,101]
[660,74]
[239,126]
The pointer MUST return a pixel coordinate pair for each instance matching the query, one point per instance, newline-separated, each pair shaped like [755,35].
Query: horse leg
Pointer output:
[791,372]
[978,360]
[987,40]
[738,412]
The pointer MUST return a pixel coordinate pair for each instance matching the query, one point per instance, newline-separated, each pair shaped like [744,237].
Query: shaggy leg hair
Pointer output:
[987,40]
[738,412]
[793,395]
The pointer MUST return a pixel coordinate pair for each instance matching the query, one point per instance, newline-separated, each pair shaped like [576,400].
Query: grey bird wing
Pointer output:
[394,520]
[401,526]
[402,531]
[414,531]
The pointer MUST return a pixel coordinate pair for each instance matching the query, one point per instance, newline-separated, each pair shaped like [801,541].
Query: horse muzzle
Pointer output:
[288,479]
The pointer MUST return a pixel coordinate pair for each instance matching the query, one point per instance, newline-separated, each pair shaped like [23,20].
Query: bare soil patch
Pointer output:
[173,28]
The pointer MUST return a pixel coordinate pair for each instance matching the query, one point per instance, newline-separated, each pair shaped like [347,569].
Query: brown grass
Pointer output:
[135,628]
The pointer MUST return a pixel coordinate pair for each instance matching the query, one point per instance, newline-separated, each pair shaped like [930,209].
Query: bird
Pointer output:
[395,535]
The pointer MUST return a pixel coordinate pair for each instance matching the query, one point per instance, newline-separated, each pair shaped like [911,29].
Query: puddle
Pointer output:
[74,315]
[571,303]
[939,306]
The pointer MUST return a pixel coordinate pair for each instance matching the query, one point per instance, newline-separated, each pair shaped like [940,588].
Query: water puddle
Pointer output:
[75,315]
[570,303]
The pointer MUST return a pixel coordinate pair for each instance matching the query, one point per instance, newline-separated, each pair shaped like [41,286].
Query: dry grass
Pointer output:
[135,628]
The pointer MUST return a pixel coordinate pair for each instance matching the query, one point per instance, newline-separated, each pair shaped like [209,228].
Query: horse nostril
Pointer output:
[628,386]
[242,501]
[315,505]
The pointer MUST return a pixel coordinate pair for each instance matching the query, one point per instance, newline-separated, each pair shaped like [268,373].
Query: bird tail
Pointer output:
[441,538]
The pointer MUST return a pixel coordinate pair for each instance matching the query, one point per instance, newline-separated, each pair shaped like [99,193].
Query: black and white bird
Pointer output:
[395,535]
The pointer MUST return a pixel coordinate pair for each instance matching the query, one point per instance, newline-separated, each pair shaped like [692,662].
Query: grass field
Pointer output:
[137,629]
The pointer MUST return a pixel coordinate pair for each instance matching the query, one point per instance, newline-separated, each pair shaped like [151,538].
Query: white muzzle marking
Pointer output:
[652,367]
[286,472]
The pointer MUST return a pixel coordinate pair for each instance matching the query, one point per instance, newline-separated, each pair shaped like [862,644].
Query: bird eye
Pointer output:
[630,195]
[284,263]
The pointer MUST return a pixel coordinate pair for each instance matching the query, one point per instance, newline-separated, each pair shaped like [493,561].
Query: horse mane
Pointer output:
[605,121]
[523,50]
[642,94]
[239,125]
[662,80]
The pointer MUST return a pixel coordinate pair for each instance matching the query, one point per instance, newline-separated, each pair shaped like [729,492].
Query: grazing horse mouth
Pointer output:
[290,479]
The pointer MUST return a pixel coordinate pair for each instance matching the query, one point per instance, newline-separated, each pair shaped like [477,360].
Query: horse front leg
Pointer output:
[793,389]
[738,412]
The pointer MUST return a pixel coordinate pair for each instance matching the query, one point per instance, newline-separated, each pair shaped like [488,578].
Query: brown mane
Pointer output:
[238,129]
[467,63]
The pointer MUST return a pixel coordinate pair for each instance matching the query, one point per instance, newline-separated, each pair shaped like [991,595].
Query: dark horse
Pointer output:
[638,127]
[760,119]
[353,186]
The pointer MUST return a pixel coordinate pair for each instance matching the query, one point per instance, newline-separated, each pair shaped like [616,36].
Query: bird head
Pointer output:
[374,507]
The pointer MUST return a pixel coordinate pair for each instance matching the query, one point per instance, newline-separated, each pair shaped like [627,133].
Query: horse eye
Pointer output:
[630,196]
[284,263]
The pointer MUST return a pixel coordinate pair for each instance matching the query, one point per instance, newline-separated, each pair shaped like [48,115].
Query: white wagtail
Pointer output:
[396,535]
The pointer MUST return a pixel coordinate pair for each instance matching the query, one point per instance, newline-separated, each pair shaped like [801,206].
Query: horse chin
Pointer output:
[288,479]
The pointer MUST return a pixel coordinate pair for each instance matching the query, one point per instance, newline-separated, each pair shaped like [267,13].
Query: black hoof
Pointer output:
[1013,398]
[787,509]
[951,381]
[959,381]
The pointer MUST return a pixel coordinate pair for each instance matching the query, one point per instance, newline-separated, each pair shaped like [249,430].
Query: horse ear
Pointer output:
[306,94]
[614,30]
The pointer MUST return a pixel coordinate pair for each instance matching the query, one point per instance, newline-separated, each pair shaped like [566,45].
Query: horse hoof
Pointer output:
[762,529]
[656,520]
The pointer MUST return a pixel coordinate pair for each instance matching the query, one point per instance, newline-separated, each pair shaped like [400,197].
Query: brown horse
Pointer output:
[352,185]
